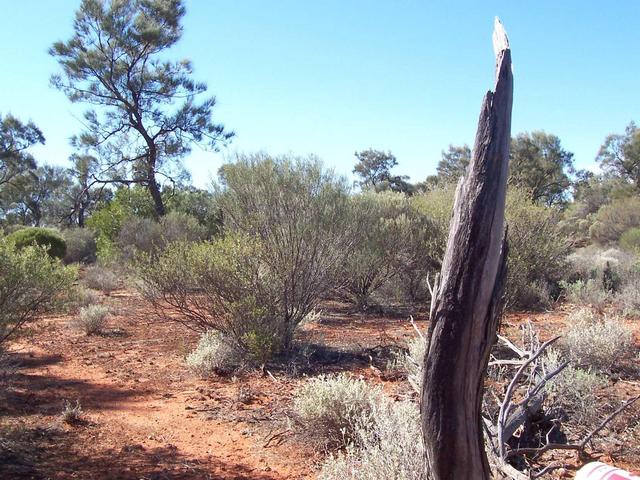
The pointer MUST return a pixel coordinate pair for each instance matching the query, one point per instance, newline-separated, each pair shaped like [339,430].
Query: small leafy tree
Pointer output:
[539,165]
[620,155]
[299,213]
[453,164]
[149,117]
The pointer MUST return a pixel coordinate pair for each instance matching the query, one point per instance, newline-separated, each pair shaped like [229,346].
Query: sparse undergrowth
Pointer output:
[386,443]
[596,342]
[214,355]
[332,407]
[99,278]
[91,319]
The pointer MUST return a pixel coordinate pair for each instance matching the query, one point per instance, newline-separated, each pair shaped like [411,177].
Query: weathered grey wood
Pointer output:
[467,304]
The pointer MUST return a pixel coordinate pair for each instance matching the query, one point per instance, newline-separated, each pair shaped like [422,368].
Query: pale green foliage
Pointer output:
[412,362]
[620,154]
[589,292]
[298,214]
[612,220]
[331,407]
[387,444]
[630,240]
[91,319]
[392,242]
[214,355]
[573,391]
[31,284]
[629,297]
[224,286]
[81,245]
[537,252]
[595,342]
[83,297]
[100,278]
[539,167]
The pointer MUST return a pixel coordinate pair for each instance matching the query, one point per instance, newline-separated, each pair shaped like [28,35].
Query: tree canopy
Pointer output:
[16,138]
[541,166]
[620,155]
[148,116]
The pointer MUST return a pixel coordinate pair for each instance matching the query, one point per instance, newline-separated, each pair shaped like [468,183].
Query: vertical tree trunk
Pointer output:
[467,301]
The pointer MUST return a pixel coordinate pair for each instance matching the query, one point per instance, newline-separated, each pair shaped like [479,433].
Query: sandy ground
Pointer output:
[147,417]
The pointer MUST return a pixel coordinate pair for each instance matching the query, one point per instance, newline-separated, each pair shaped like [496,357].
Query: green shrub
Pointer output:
[594,342]
[588,292]
[537,252]
[629,298]
[330,407]
[54,243]
[99,278]
[81,245]
[630,240]
[392,243]
[31,284]
[387,444]
[298,214]
[612,220]
[91,319]
[138,234]
[214,354]
[223,285]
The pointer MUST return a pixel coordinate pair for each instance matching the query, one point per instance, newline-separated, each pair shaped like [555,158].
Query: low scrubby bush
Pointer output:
[629,298]
[31,284]
[572,393]
[91,320]
[214,354]
[223,286]
[594,342]
[537,253]
[588,292]
[83,297]
[81,245]
[331,407]
[72,413]
[630,240]
[100,278]
[55,245]
[387,444]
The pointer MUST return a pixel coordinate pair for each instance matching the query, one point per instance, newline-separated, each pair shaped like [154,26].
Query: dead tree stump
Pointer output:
[467,300]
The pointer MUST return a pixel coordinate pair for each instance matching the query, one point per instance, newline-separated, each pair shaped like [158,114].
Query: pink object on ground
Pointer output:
[602,471]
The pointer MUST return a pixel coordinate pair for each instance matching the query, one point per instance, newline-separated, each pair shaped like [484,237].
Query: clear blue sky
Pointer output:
[331,77]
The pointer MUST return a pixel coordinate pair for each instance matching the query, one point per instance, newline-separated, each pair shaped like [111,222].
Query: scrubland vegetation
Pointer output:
[248,263]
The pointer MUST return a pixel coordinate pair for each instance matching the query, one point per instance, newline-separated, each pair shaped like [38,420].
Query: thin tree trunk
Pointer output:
[468,299]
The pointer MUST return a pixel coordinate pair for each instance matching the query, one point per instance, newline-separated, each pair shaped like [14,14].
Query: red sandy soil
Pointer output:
[147,417]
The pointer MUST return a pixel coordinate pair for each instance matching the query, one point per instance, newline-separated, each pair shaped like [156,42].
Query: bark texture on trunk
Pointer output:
[467,300]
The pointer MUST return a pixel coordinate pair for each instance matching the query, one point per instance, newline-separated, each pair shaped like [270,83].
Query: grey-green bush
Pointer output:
[81,245]
[223,285]
[573,392]
[596,342]
[91,319]
[100,278]
[331,407]
[214,354]
[387,444]
[31,284]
